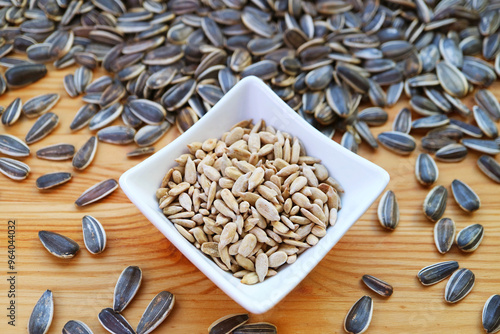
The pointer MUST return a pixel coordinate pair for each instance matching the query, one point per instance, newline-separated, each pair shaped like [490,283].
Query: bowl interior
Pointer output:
[362,180]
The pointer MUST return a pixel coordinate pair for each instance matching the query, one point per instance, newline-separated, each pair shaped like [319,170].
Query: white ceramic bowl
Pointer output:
[362,180]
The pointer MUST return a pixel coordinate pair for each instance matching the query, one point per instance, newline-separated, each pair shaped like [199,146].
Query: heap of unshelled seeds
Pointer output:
[252,200]
[169,62]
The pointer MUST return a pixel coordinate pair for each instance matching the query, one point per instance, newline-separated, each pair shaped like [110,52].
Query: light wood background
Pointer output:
[84,285]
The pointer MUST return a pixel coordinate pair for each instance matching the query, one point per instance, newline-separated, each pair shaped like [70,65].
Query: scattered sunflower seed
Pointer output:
[85,155]
[97,192]
[126,287]
[76,327]
[41,316]
[157,311]
[114,322]
[469,239]
[465,197]
[388,211]
[94,235]
[444,234]
[491,314]
[58,244]
[16,170]
[459,285]
[377,285]
[359,316]
[437,272]
[426,170]
[12,112]
[13,146]
[435,203]
[228,323]
[52,180]
[43,126]
[489,167]
[56,152]
[39,105]
[258,327]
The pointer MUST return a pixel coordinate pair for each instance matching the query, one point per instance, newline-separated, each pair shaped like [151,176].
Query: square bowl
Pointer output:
[362,181]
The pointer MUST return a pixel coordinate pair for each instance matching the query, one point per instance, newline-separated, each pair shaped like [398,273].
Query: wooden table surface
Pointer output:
[82,286]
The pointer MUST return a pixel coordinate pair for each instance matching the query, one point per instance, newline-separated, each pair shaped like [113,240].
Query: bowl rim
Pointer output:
[194,255]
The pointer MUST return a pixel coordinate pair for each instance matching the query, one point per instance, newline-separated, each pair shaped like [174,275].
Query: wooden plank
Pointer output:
[84,285]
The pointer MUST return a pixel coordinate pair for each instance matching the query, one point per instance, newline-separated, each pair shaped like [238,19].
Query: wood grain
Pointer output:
[84,285]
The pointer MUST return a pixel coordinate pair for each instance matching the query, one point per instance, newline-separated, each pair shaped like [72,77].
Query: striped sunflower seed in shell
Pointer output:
[157,311]
[382,288]
[76,327]
[13,169]
[359,316]
[85,155]
[97,192]
[126,287]
[469,239]
[24,74]
[451,79]
[444,234]
[43,126]
[105,116]
[12,112]
[435,203]
[437,272]
[13,146]
[484,122]
[398,142]
[83,116]
[58,244]
[56,152]
[489,167]
[117,134]
[488,102]
[52,180]
[39,105]
[257,327]
[491,314]
[69,85]
[114,322]
[452,153]
[140,151]
[388,211]
[150,134]
[42,314]
[228,323]
[94,235]
[465,197]
[482,145]
[459,285]
[426,170]
[402,121]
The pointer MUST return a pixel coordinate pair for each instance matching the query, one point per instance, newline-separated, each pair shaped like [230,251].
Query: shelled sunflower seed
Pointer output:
[252,200]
